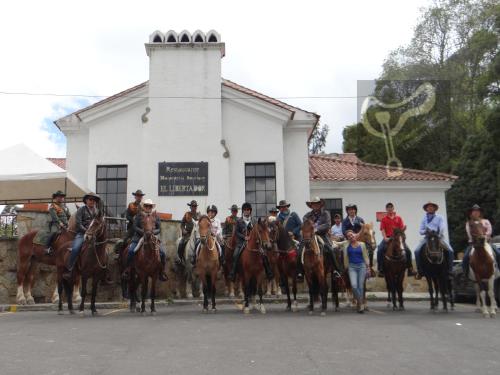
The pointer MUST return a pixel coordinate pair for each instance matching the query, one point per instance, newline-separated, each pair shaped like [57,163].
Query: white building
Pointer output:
[254,147]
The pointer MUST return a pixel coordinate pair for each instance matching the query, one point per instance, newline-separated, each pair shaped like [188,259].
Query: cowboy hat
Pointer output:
[473,208]
[138,192]
[315,200]
[193,203]
[148,202]
[350,205]
[430,204]
[273,209]
[58,193]
[234,207]
[91,196]
[283,203]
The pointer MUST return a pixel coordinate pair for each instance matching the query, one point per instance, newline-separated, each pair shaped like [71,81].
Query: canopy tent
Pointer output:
[26,177]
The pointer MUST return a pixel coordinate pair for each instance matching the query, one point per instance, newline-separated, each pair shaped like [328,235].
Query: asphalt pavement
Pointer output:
[182,340]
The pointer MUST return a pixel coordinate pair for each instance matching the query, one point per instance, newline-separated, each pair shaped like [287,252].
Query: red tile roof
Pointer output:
[60,162]
[347,167]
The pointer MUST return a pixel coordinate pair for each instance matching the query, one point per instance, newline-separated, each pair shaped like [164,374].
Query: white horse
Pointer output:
[483,284]
[184,271]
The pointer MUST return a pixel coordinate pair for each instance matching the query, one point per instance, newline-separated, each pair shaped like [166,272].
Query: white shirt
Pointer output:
[216,228]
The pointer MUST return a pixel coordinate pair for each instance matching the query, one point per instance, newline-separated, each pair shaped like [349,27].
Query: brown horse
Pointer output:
[286,253]
[482,265]
[314,267]
[92,261]
[28,254]
[251,266]
[395,267]
[147,265]
[231,288]
[207,261]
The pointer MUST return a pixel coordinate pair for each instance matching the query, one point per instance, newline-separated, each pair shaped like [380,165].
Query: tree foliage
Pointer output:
[317,142]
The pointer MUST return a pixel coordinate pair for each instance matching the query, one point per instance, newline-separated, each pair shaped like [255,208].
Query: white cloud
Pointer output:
[282,48]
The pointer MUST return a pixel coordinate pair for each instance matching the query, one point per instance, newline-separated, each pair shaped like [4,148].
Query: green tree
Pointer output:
[317,141]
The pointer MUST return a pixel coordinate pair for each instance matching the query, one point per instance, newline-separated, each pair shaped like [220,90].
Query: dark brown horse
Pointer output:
[395,267]
[229,246]
[314,267]
[286,254]
[482,265]
[147,265]
[28,254]
[251,266]
[93,260]
[207,261]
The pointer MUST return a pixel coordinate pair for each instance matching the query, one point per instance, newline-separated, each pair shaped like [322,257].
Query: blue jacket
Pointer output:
[355,227]
[293,224]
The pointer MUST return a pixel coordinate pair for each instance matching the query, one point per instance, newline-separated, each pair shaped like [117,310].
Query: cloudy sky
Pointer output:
[280,48]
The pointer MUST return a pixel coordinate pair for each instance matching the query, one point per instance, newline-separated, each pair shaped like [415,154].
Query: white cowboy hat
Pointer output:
[148,202]
[315,200]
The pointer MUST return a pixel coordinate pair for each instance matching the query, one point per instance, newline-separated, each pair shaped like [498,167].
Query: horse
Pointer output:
[482,269]
[286,251]
[146,265]
[184,270]
[251,266]
[395,267]
[29,253]
[231,287]
[93,260]
[273,285]
[314,267]
[434,263]
[207,261]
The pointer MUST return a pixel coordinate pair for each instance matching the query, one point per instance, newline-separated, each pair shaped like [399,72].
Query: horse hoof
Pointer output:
[137,309]
[486,315]
[205,310]
[246,310]
[189,295]
[262,310]
[231,295]
[322,313]
[289,308]
[60,312]
[72,312]
[81,314]
[95,313]
[213,311]
[278,294]
[493,314]
[77,299]
[394,308]
[30,301]
[22,301]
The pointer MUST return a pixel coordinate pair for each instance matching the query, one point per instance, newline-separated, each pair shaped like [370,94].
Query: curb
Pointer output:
[187,302]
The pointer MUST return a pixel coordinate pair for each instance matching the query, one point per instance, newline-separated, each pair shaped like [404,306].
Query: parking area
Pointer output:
[182,340]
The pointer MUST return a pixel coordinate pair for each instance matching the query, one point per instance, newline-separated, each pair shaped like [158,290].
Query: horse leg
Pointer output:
[484,309]
[153,294]
[444,291]
[335,292]
[30,283]
[431,292]
[84,295]
[491,294]
[262,309]
[132,292]
[76,291]
[400,292]
[203,279]
[324,296]
[144,294]
[95,283]
[246,284]
[24,265]
[311,299]
[68,286]
[478,297]
[60,288]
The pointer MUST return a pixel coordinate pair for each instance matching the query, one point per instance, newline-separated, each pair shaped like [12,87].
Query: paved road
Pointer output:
[181,340]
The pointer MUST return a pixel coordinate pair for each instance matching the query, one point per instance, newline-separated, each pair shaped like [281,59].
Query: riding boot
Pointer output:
[267,267]
[409,264]
[163,274]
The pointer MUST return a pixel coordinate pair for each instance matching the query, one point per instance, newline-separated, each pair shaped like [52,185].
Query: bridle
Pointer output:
[430,253]
[92,240]
[205,239]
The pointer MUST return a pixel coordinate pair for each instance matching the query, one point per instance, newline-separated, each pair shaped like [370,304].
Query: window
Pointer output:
[260,187]
[334,206]
[111,186]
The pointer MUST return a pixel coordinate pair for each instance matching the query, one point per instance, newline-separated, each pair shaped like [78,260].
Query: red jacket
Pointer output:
[388,224]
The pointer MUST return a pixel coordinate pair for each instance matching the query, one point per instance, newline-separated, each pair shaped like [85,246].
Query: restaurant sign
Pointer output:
[176,179]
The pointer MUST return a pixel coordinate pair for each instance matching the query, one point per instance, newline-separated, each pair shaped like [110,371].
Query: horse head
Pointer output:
[204,229]
[148,225]
[478,233]
[308,234]
[367,235]
[398,242]
[261,234]
[96,230]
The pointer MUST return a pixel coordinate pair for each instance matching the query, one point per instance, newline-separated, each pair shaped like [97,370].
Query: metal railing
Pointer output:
[116,227]
[8,226]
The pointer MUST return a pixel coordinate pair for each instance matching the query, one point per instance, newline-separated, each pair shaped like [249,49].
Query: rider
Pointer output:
[146,210]
[290,220]
[476,213]
[322,224]
[187,226]
[133,209]
[390,222]
[230,222]
[243,227]
[352,221]
[216,229]
[273,212]
[59,216]
[336,230]
[84,217]
[432,222]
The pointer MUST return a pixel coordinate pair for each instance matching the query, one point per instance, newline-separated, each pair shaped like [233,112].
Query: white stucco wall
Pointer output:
[77,152]
[408,198]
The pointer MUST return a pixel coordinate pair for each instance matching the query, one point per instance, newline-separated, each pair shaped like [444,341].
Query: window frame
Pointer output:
[117,207]
[260,181]
[333,209]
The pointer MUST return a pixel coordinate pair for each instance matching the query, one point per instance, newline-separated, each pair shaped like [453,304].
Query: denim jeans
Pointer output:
[451,254]
[75,249]
[382,246]
[357,274]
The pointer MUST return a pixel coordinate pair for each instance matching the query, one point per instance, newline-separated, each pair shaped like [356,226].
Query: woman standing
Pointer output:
[356,261]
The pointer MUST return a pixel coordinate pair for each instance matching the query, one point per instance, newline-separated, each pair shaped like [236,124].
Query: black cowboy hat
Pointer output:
[91,195]
[430,204]
[138,192]
[315,200]
[274,209]
[350,205]
[212,207]
[283,203]
[234,207]
[389,204]
[473,208]
[58,193]
[193,203]
[246,206]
